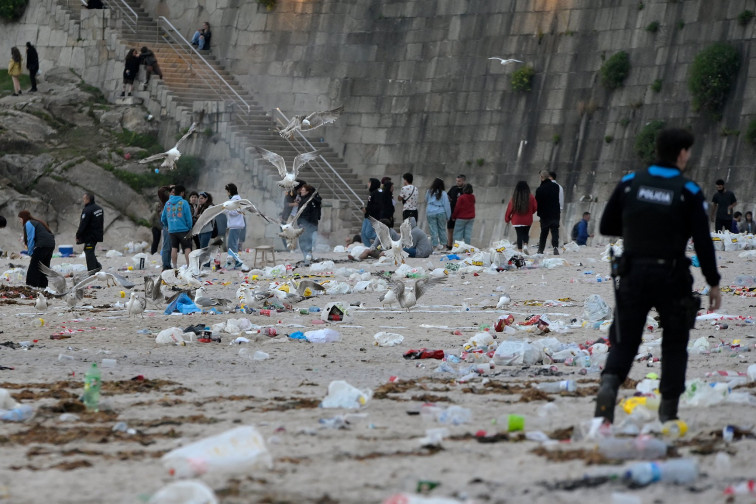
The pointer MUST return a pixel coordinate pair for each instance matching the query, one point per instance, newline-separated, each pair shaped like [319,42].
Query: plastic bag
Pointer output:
[343,395]
[553,262]
[239,450]
[596,309]
[182,304]
[481,340]
[322,266]
[510,353]
[386,339]
[323,336]
[14,275]
[172,335]
[113,253]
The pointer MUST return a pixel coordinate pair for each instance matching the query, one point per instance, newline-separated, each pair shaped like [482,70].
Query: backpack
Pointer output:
[574,235]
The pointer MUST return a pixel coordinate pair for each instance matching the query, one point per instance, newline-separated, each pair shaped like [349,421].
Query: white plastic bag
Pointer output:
[343,395]
[237,451]
[596,309]
[481,340]
[386,339]
[323,336]
[510,353]
[170,336]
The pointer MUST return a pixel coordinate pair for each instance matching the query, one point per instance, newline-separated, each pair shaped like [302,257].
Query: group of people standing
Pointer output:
[450,215]
[16,65]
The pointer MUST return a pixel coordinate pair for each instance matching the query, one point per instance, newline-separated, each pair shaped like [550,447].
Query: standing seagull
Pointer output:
[171,155]
[210,213]
[310,122]
[289,178]
[136,305]
[288,231]
[41,304]
[505,61]
[409,299]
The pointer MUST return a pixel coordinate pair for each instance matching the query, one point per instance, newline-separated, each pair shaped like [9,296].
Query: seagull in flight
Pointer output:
[289,177]
[211,212]
[288,231]
[172,155]
[393,248]
[505,61]
[310,121]
[407,299]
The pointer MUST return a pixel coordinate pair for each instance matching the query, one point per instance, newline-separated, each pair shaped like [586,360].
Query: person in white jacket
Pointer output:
[235,228]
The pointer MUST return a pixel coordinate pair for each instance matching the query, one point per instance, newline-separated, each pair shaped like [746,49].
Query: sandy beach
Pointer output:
[173,395]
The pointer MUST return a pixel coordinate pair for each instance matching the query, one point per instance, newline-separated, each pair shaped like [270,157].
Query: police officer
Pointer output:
[656,211]
[90,230]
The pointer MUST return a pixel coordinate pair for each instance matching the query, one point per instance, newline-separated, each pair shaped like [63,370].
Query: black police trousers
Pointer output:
[641,287]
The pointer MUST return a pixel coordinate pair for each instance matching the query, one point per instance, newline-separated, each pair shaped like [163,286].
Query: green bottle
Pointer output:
[92,382]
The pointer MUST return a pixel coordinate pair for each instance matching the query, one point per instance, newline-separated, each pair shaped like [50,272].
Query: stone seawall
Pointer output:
[421,95]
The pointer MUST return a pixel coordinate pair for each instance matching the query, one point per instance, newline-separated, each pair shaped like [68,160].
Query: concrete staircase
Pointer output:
[185,93]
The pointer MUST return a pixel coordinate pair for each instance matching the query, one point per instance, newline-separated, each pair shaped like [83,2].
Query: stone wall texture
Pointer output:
[421,95]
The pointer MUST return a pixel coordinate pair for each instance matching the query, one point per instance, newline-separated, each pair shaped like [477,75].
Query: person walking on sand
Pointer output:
[90,231]
[520,212]
[32,64]
[14,69]
[656,211]
[308,220]
[40,243]
[721,210]
[547,197]
[453,194]
[408,196]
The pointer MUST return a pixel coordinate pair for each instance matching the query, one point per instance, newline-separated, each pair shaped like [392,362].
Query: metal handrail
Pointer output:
[129,16]
[220,86]
[328,176]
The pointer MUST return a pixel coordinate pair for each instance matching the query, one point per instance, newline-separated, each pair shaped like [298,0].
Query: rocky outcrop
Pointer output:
[59,144]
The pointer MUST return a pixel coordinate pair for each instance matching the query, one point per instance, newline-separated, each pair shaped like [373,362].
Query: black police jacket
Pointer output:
[91,224]
[656,211]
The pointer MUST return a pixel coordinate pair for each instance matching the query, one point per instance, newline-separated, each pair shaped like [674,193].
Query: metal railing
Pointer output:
[129,17]
[201,69]
[326,173]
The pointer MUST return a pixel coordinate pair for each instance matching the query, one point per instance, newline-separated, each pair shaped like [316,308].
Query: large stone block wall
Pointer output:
[421,96]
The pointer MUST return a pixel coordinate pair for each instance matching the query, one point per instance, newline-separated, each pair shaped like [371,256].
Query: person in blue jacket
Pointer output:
[177,217]
[582,229]
[40,243]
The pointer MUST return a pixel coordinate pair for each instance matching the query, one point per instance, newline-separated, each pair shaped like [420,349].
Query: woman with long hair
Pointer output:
[520,212]
[205,201]
[40,243]
[15,68]
[437,212]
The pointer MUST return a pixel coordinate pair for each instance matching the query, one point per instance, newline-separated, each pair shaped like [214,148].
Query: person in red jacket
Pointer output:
[520,212]
[464,215]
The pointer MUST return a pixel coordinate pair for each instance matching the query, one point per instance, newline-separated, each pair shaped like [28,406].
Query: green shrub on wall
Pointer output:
[751,132]
[268,4]
[615,70]
[645,142]
[522,79]
[712,75]
[12,10]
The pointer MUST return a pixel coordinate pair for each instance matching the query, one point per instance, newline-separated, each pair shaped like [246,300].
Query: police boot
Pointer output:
[668,410]
[607,397]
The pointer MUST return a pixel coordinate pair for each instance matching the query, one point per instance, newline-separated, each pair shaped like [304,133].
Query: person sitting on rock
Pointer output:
[201,37]
[148,59]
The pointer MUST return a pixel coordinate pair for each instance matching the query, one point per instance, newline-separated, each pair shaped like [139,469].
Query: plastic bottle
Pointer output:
[642,448]
[92,381]
[672,471]
[556,387]
[674,429]
[454,415]
[20,413]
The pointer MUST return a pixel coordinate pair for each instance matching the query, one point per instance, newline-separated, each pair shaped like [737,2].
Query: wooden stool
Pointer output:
[263,250]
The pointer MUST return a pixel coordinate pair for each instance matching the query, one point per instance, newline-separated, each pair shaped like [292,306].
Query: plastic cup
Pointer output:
[511,423]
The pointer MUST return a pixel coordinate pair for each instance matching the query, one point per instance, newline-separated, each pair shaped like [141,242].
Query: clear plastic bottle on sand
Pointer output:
[556,387]
[672,471]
